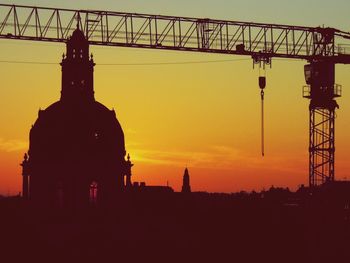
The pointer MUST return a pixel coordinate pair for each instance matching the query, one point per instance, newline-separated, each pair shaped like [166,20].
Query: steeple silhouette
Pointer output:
[186,188]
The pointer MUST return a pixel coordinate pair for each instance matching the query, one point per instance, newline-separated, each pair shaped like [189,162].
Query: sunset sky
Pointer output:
[204,116]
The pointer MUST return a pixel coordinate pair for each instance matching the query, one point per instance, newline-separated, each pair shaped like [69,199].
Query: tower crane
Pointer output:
[319,46]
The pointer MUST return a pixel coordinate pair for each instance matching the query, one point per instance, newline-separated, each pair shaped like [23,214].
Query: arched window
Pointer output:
[93,193]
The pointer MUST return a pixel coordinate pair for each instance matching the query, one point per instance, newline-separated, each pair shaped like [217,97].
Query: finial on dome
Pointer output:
[78,21]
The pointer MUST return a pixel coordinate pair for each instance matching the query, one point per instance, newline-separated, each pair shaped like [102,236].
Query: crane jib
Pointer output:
[121,29]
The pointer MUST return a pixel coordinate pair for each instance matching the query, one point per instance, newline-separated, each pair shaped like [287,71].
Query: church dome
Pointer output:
[76,142]
[63,132]
[72,147]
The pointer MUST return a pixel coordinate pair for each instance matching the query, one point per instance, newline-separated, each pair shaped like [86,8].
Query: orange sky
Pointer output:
[204,116]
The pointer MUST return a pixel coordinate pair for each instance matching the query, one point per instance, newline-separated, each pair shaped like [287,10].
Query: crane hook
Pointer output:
[262,85]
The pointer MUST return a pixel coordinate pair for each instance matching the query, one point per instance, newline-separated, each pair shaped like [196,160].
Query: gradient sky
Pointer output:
[204,116]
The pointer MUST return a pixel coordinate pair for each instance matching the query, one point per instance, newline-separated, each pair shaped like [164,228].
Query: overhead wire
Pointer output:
[129,64]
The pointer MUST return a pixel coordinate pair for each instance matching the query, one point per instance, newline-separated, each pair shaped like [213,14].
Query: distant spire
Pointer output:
[186,187]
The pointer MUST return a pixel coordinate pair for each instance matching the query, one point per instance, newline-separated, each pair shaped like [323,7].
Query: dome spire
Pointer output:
[78,21]
[77,68]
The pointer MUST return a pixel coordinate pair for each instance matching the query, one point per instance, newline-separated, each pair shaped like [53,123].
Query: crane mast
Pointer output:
[318,45]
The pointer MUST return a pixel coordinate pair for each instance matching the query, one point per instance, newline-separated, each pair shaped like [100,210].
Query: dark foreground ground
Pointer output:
[177,228]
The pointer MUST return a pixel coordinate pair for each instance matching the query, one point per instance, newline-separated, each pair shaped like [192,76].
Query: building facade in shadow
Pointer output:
[77,151]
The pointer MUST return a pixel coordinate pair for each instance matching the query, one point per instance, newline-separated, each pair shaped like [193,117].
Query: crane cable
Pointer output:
[262,125]
[262,85]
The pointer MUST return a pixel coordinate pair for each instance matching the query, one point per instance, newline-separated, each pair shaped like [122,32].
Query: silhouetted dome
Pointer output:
[69,132]
[69,142]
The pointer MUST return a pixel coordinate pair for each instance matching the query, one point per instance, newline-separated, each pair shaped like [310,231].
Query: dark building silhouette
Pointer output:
[77,151]
[186,187]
